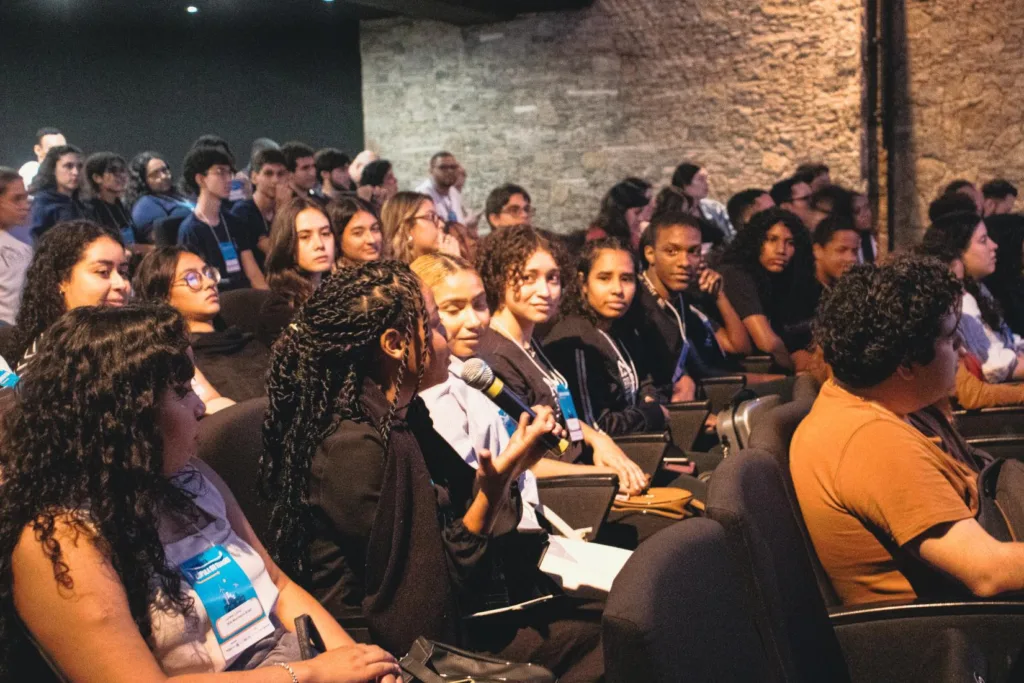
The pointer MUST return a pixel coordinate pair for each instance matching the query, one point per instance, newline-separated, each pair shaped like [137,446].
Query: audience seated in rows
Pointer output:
[523,279]
[209,231]
[357,232]
[768,277]
[233,361]
[891,515]
[108,511]
[151,194]
[374,511]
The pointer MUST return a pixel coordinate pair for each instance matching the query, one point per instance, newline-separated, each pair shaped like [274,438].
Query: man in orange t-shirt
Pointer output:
[890,514]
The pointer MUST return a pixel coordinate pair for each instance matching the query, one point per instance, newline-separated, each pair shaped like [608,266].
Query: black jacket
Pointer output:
[234,361]
[50,207]
[581,353]
[388,537]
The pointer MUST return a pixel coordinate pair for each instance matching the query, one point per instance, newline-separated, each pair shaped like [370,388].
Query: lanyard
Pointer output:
[550,372]
[664,304]
[125,218]
[223,222]
[626,363]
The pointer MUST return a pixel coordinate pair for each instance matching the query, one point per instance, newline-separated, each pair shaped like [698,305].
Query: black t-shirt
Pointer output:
[116,217]
[789,309]
[205,240]
[249,219]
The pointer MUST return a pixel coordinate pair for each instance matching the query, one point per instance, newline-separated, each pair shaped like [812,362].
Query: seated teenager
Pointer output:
[377,183]
[16,242]
[56,190]
[357,231]
[372,508]
[269,176]
[412,228]
[624,211]
[233,361]
[468,420]
[599,351]
[107,176]
[110,519]
[208,231]
[891,515]
[986,336]
[522,279]
[151,194]
[1006,283]
[78,263]
[692,180]
[836,246]
[301,253]
[767,273]
[745,204]
[687,323]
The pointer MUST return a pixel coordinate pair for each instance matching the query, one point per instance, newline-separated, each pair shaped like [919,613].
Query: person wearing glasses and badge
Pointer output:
[207,231]
[508,205]
[233,361]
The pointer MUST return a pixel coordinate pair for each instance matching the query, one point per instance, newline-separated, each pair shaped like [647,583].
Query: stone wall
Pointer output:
[569,103]
[967,92]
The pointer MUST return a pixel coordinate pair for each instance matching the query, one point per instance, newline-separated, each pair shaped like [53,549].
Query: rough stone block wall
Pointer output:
[569,103]
[967,92]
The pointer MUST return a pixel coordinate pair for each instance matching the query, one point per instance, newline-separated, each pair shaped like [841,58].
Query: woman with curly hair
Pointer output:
[371,507]
[357,231]
[109,520]
[412,228]
[963,235]
[57,190]
[78,263]
[521,274]
[233,361]
[768,275]
[596,348]
[625,210]
[151,194]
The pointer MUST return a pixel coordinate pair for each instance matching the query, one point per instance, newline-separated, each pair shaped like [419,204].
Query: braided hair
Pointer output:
[316,380]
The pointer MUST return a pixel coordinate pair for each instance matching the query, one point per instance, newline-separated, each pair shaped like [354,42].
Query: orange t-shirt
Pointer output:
[868,483]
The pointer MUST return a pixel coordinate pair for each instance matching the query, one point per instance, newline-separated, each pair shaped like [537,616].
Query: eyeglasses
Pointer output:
[519,211]
[448,167]
[429,216]
[222,172]
[193,279]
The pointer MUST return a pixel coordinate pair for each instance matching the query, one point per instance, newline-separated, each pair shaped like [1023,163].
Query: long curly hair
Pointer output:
[745,252]
[503,256]
[57,253]
[283,273]
[316,381]
[46,176]
[82,452]
[947,239]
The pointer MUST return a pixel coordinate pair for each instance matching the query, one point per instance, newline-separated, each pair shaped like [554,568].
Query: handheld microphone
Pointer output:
[479,375]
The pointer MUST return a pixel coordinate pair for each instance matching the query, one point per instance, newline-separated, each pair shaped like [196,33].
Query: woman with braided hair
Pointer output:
[374,511]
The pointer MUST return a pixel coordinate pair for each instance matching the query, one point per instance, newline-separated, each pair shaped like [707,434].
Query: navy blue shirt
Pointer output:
[205,240]
[249,219]
[152,207]
[116,217]
[50,207]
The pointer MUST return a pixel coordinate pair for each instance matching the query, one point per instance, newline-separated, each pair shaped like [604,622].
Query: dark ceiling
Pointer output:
[269,12]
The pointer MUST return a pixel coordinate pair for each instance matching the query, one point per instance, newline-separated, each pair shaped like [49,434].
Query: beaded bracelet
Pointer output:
[289,669]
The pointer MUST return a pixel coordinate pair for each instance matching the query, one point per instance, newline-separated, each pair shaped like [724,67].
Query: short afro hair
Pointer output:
[878,318]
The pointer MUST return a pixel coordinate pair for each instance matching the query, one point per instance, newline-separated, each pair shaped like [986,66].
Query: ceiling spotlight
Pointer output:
[191,9]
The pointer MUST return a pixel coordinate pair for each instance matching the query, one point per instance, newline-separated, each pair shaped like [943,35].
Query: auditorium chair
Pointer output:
[762,364]
[1004,446]
[241,308]
[686,422]
[1000,421]
[950,640]
[165,230]
[677,612]
[719,391]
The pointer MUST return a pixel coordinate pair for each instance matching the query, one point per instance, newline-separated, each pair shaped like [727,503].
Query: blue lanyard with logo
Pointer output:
[228,251]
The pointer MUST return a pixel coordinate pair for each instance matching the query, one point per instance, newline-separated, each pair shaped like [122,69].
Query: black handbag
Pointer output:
[431,662]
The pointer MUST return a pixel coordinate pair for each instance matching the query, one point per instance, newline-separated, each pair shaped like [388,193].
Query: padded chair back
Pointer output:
[165,230]
[748,498]
[1000,421]
[677,612]
[241,308]
[646,450]
[774,436]
[230,442]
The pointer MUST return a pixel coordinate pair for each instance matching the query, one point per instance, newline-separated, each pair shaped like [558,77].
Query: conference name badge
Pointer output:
[230,254]
[568,408]
[235,611]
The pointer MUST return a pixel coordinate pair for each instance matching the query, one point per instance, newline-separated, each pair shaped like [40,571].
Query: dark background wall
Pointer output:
[159,86]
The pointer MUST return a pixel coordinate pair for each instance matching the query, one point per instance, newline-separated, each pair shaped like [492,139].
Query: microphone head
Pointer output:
[477,374]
